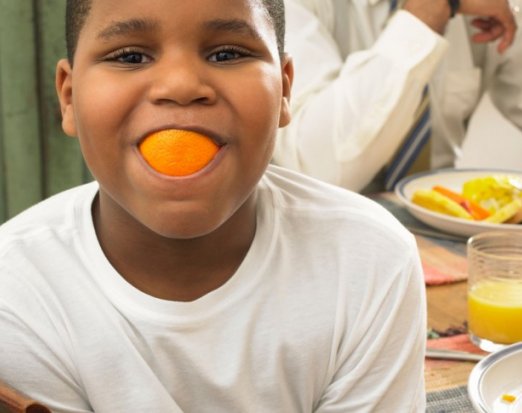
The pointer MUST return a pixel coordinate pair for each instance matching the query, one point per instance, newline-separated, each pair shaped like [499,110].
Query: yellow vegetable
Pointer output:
[505,212]
[497,195]
[493,192]
[437,202]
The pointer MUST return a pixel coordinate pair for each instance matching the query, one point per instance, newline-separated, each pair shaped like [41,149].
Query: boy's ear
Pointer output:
[63,84]
[287,71]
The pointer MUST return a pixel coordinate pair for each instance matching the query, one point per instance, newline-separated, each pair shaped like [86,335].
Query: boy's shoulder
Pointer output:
[52,214]
[300,195]
[296,190]
[296,187]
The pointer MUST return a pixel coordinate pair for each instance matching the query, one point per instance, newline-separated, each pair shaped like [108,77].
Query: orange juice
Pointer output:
[495,311]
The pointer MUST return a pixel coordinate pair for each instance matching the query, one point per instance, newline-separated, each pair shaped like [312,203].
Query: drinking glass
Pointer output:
[495,289]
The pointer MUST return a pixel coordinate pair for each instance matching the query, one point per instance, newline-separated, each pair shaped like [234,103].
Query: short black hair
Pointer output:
[76,13]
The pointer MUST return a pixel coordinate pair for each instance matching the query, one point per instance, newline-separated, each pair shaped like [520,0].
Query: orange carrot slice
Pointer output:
[475,210]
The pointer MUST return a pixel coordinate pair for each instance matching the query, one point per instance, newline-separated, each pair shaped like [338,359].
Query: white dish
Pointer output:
[452,179]
[497,374]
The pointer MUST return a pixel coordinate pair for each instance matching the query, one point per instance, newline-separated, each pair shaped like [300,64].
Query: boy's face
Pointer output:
[206,65]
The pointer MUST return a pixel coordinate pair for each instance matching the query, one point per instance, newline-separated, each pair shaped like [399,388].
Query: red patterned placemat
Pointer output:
[442,262]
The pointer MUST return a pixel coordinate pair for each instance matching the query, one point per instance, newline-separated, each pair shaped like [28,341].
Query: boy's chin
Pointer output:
[181,229]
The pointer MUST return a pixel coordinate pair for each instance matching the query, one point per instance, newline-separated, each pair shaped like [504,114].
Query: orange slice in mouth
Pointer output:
[177,152]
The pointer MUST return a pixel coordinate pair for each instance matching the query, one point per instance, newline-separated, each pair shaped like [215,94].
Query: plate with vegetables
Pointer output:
[495,383]
[465,201]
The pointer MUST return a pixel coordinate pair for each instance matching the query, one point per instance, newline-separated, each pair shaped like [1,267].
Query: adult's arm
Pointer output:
[349,116]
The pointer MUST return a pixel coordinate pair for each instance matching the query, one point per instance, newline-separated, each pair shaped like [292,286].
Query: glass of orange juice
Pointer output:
[495,289]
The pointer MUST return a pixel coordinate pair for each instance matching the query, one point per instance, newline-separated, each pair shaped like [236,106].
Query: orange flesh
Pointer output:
[176,152]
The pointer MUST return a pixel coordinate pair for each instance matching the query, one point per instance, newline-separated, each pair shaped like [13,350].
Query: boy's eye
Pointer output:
[128,56]
[132,58]
[228,54]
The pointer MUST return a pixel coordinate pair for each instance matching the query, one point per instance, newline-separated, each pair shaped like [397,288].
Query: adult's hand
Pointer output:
[495,21]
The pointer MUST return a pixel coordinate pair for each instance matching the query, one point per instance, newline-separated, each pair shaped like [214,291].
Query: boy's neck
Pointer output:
[173,269]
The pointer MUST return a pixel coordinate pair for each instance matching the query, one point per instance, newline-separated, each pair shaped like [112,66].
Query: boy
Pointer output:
[240,288]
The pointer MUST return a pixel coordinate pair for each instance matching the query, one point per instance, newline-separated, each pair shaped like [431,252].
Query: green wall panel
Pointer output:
[36,158]
[3,194]
[21,149]
[63,165]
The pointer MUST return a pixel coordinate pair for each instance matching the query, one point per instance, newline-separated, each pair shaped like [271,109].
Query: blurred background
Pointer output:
[492,141]
[38,160]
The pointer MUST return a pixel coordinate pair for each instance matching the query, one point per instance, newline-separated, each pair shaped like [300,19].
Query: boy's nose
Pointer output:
[182,82]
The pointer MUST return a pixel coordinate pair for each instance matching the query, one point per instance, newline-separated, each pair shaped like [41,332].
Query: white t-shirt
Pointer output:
[359,76]
[325,314]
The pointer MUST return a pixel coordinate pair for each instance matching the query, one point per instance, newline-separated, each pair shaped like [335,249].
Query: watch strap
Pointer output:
[454,7]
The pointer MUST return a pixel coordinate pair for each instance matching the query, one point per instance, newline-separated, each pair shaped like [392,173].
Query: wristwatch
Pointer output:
[454,7]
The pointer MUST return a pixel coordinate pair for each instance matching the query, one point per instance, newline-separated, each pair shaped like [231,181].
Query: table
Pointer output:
[446,381]
[444,264]
[446,305]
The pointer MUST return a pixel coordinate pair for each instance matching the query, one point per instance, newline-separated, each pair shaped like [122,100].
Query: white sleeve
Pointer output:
[38,365]
[380,354]
[350,116]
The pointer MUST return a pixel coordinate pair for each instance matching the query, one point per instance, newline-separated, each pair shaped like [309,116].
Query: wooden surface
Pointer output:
[447,306]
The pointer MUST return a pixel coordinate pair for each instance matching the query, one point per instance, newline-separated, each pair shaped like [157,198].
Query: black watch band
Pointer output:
[454,7]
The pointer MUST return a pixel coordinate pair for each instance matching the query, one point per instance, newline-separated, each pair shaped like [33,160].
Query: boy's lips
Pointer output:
[217,138]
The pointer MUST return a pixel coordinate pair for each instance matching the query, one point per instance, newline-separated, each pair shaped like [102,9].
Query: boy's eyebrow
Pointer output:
[233,25]
[121,28]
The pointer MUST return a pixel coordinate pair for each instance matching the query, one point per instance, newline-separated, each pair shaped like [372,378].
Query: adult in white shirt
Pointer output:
[360,75]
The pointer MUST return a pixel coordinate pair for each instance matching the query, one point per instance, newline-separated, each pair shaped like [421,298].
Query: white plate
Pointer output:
[497,374]
[452,179]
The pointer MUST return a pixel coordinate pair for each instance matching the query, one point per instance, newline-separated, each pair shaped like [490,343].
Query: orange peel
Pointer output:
[176,152]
